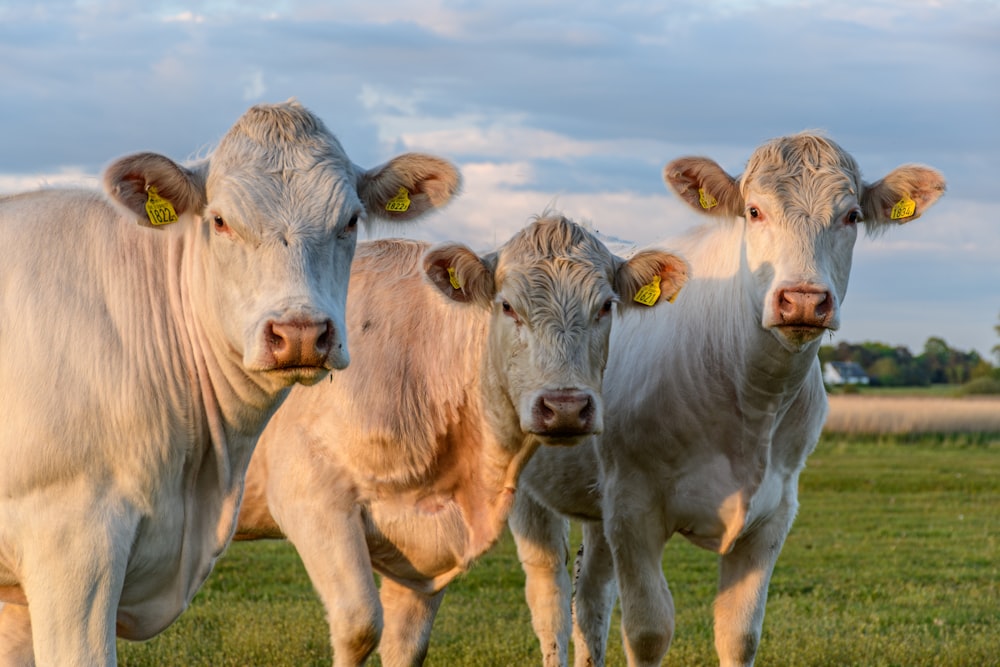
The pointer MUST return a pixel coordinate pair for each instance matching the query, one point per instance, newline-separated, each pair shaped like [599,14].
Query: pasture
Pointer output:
[894,560]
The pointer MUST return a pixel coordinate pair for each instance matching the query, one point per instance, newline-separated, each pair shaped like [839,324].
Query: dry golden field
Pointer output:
[859,414]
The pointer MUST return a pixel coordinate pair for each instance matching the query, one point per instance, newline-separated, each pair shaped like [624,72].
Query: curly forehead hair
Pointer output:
[303,139]
[552,235]
[784,163]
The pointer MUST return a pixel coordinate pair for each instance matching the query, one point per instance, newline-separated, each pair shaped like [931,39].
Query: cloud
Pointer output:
[542,102]
[254,87]
[184,17]
[68,177]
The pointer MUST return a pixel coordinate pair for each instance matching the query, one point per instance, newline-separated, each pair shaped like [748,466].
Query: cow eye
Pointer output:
[753,212]
[853,217]
[605,309]
[509,311]
[353,222]
[220,224]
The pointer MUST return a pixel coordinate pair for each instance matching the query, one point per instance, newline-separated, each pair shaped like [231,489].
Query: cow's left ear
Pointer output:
[901,196]
[408,186]
[460,274]
[650,277]
[155,188]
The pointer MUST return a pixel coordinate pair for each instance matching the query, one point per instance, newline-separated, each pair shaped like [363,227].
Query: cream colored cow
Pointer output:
[407,463]
[138,366]
[712,405]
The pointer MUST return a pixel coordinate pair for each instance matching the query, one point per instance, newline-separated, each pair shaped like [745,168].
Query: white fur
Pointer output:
[712,409]
[407,463]
[137,373]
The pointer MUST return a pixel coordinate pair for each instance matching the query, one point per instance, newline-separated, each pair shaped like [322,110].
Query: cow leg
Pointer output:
[636,537]
[595,596]
[333,549]
[744,575]
[15,637]
[73,579]
[409,616]
[542,539]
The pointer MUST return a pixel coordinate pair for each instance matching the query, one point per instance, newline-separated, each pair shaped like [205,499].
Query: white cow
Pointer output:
[140,365]
[712,406]
[408,461]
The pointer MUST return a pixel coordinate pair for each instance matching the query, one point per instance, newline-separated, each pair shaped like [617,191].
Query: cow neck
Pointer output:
[238,406]
[508,449]
[766,375]
[230,413]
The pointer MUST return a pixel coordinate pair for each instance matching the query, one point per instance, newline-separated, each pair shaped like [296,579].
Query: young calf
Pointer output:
[407,463]
[712,405]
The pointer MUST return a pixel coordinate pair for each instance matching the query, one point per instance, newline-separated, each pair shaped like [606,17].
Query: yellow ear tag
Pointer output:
[159,210]
[400,202]
[904,208]
[649,293]
[453,278]
[706,200]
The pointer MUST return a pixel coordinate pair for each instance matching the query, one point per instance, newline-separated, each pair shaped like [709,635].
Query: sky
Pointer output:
[571,105]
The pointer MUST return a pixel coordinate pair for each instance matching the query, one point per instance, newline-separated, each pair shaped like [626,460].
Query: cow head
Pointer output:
[270,225]
[801,200]
[551,291]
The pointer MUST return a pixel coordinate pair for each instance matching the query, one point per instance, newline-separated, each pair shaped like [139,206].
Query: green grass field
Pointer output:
[894,560]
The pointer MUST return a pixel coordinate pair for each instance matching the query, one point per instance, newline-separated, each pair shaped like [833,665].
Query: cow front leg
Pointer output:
[594,598]
[636,537]
[542,539]
[72,579]
[409,616]
[331,543]
[744,575]
[15,637]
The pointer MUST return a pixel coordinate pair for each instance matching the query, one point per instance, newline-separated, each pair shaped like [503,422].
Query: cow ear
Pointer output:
[650,277]
[901,196]
[408,186]
[460,274]
[155,188]
[704,186]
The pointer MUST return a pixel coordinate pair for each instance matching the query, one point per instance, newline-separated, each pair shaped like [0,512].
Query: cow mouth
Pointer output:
[563,438]
[307,375]
[801,334]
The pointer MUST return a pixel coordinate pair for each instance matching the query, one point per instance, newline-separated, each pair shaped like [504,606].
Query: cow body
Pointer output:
[408,461]
[712,406]
[140,365]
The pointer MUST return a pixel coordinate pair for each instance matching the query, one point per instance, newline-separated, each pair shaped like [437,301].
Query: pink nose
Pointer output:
[804,307]
[299,342]
[563,412]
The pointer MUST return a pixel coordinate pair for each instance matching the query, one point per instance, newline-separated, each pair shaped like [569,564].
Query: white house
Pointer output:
[843,372]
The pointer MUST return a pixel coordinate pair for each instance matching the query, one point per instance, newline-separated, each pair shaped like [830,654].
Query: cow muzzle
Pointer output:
[303,348]
[564,416]
[803,312]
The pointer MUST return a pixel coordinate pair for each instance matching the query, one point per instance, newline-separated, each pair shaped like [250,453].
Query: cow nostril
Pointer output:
[275,341]
[787,305]
[823,305]
[324,341]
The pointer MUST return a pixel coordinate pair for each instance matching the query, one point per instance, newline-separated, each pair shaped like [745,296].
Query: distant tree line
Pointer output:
[897,366]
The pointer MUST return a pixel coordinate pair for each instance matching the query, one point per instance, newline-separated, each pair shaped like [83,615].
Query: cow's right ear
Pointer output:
[460,274]
[155,188]
[704,186]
